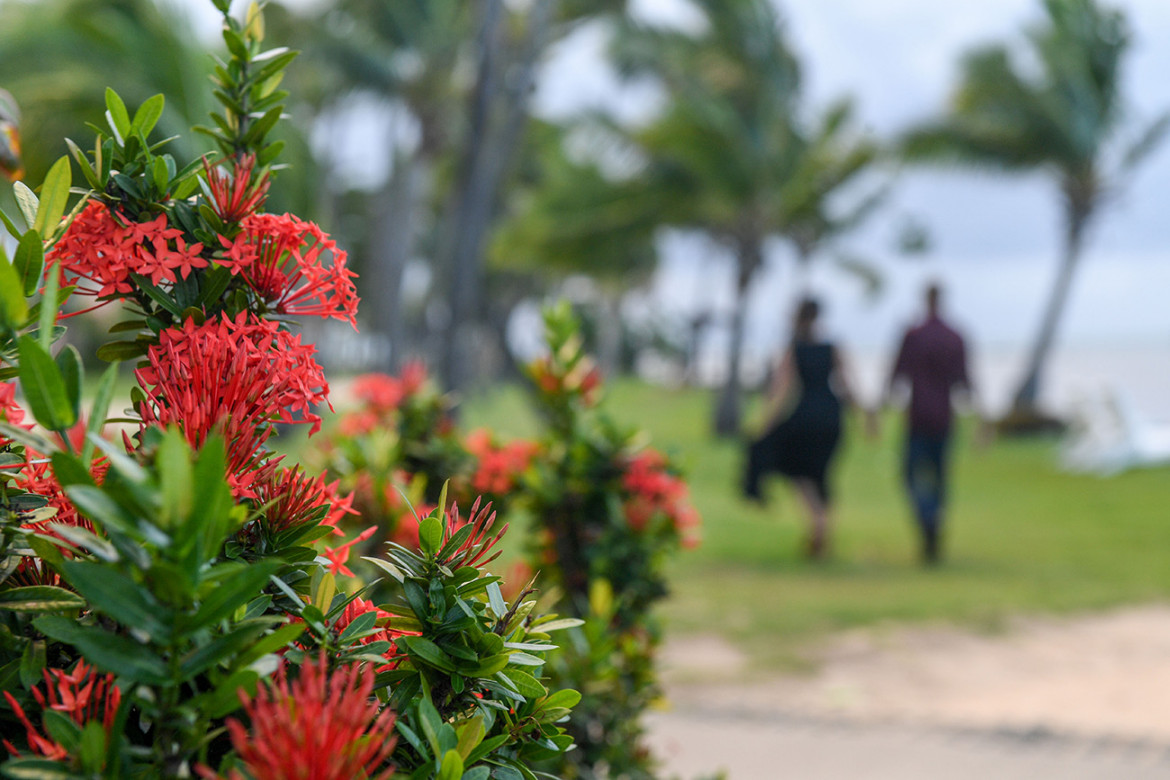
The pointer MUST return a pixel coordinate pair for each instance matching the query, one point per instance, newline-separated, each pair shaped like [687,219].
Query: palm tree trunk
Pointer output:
[1024,404]
[392,243]
[728,411]
[492,145]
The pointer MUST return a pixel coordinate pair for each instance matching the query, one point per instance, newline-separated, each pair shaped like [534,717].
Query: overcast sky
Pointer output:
[994,239]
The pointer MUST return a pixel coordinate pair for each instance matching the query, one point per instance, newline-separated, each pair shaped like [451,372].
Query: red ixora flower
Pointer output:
[82,694]
[100,249]
[325,725]
[235,196]
[475,548]
[293,498]
[282,259]
[338,556]
[237,377]
[499,465]
[10,411]
[37,477]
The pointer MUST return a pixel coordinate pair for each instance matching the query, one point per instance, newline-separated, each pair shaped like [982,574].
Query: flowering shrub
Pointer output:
[607,512]
[399,446]
[168,605]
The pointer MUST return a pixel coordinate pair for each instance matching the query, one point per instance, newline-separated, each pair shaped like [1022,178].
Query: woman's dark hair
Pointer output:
[807,312]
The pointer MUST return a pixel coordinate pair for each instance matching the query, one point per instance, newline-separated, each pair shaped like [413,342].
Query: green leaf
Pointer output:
[68,470]
[147,115]
[496,600]
[40,598]
[116,351]
[54,196]
[61,729]
[452,766]
[471,734]
[36,769]
[430,533]
[427,651]
[27,201]
[556,625]
[47,317]
[29,261]
[567,698]
[44,388]
[117,115]
[13,306]
[360,625]
[83,163]
[431,723]
[112,592]
[231,591]
[224,647]
[109,652]
[69,364]
[526,684]
[271,643]
[32,663]
[99,410]
[176,480]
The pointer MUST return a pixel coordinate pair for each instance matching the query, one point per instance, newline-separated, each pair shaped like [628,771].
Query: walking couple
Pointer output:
[809,390]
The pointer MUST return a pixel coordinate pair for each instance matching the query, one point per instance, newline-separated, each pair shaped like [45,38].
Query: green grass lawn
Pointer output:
[1023,537]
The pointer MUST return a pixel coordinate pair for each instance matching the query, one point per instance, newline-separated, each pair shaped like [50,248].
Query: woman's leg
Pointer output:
[818,513]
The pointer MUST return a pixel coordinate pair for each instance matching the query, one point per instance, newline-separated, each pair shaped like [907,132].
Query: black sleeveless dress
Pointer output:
[802,444]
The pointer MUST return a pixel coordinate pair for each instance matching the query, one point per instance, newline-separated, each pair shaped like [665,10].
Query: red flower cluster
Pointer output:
[293,498]
[281,259]
[651,490]
[236,377]
[10,411]
[99,251]
[582,379]
[386,632]
[339,556]
[323,725]
[498,466]
[382,393]
[81,694]
[236,196]
[37,477]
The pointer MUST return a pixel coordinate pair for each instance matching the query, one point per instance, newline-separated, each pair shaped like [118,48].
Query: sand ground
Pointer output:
[1085,697]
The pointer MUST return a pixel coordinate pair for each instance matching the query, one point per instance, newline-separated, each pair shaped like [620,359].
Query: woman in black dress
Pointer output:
[808,392]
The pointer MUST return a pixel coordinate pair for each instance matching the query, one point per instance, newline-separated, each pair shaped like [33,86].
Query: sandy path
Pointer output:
[1101,680]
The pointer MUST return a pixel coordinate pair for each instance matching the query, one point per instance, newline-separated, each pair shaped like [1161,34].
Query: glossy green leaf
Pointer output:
[36,769]
[176,480]
[526,684]
[13,306]
[29,261]
[115,594]
[109,652]
[430,534]
[33,660]
[54,197]
[68,362]
[50,302]
[232,591]
[44,388]
[451,767]
[223,648]
[100,409]
[117,115]
[427,651]
[147,115]
[27,201]
[117,351]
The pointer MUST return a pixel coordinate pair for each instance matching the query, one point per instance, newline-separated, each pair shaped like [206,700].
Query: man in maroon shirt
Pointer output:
[933,362]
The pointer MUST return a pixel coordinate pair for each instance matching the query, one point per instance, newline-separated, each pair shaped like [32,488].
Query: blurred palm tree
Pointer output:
[1057,109]
[570,215]
[734,156]
[60,55]
[462,75]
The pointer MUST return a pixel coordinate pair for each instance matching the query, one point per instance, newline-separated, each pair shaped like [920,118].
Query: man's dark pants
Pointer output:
[925,474]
